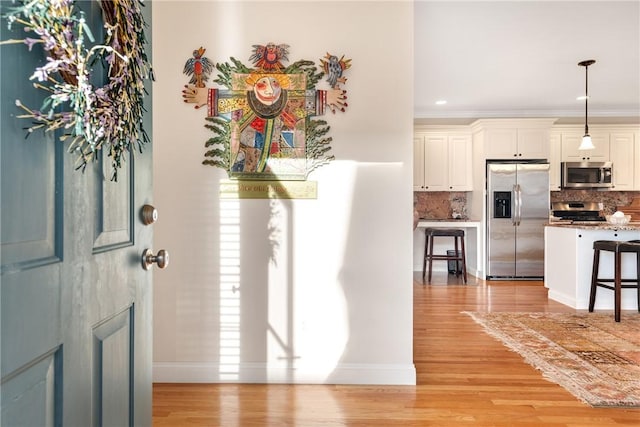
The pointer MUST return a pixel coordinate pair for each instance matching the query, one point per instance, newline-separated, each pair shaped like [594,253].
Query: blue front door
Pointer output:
[75,300]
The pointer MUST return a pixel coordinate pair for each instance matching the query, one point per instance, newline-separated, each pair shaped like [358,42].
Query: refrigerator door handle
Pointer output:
[514,197]
[518,197]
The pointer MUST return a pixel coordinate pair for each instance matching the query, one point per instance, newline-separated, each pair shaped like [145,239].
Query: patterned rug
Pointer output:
[590,355]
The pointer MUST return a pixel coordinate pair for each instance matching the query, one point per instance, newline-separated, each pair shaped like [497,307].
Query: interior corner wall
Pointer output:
[287,290]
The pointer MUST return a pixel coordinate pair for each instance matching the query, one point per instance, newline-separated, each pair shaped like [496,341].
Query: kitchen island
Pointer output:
[569,260]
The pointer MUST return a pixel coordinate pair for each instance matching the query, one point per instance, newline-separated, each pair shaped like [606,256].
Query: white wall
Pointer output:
[292,291]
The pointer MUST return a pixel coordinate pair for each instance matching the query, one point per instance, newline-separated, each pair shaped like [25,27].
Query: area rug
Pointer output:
[589,354]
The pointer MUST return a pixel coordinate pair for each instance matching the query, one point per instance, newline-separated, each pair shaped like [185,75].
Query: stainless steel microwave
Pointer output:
[587,174]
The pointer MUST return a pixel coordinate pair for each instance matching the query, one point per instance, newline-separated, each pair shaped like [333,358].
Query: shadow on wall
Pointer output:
[274,325]
[302,299]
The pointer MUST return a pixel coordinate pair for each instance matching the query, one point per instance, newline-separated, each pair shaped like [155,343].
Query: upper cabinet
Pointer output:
[571,141]
[636,168]
[517,144]
[442,161]
[513,139]
[555,159]
[418,163]
[615,143]
[624,157]
[444,156]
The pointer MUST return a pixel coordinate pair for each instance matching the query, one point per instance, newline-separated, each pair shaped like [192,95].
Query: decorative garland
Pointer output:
[92,118]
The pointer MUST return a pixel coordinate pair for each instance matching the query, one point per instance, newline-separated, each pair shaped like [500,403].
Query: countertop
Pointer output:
[594,225]
[447,222]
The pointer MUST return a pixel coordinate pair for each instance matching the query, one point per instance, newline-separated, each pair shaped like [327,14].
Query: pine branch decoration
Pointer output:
[317,144]
[219,155]
[307,67]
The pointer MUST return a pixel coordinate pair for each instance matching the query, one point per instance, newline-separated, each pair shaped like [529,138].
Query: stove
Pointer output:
[577,211]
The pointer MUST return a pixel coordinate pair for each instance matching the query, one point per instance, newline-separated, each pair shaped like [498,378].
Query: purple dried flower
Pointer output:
[40,73]
[30,42]
[49,42]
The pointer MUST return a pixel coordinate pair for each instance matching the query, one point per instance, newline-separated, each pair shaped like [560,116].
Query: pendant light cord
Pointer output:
[586,99]
[586,64]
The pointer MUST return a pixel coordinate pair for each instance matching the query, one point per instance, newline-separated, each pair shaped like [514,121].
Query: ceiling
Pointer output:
[520,59]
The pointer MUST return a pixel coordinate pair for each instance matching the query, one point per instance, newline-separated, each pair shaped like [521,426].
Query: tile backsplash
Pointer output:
[611,200]
[440,204]
[445,204]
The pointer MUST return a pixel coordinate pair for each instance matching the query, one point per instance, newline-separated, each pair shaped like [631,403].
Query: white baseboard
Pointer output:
[561,298]
[604,300]
[441,269]
[194,372]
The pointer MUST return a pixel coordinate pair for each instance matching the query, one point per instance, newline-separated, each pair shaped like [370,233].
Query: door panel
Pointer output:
[501,232]
[113,366]
[114,213]
[534,183]
[530,248]
[76,302]
[33,392]
[30,210]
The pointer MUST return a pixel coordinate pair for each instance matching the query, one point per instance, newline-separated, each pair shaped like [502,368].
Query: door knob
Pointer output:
[148,258]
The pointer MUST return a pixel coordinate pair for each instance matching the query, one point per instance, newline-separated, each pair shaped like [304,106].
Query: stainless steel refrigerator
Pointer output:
[517,209]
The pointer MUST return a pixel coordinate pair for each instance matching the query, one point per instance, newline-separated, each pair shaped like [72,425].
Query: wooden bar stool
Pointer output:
[458,255]
[618,248]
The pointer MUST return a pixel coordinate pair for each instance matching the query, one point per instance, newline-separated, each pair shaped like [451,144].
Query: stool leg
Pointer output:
[424,260]
[430,256]
[464,260]
[618,287]
[594,279]
[455,248]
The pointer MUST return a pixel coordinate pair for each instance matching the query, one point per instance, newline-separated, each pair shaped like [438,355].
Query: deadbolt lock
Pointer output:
[148,214]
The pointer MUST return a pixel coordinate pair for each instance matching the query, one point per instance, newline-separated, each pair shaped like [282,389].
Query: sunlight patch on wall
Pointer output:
[280,344]
[320,240]
[229,290]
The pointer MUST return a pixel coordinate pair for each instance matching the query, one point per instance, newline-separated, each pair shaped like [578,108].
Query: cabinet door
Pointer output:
[533,144]
[571,142]
[637,161]
[460,163]
[436,163]
[418,163]
[555,156]
[623,157]
[501,144]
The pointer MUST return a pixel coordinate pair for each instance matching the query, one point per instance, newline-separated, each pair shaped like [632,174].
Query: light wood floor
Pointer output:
[465,378]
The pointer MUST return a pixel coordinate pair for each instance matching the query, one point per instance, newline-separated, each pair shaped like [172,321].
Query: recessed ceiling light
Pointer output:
[441,102]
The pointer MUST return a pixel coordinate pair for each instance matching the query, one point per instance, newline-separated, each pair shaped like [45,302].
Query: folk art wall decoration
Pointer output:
[264,122]
[90,117]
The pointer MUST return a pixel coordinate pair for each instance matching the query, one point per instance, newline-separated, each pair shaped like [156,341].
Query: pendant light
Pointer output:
[586,143]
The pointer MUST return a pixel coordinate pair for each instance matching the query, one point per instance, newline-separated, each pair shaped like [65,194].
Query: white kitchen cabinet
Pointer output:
[460,163]
[512,139]
[443,161]
[636,168]
[555,159]
[517,143]
[571,141]
[418,163]
[624,157]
